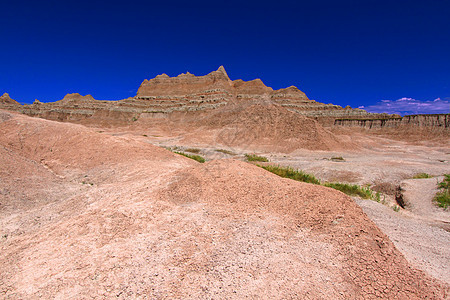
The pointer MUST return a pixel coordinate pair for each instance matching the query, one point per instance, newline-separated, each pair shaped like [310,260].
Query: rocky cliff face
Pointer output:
[163,95]
[437,121]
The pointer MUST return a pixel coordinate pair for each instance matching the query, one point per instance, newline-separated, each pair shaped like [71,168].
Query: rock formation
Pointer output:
[6,101]
[425,121]
[163,95]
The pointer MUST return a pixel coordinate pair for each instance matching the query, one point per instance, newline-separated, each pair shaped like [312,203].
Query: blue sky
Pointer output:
[355,53]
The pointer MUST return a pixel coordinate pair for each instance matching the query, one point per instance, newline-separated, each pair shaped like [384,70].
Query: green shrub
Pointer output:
[225,151]
[337,158]
[254,157]
[445,184]
[288,172]
[352,189]
[442,198]
[193,150]
[422,175]
[191,156]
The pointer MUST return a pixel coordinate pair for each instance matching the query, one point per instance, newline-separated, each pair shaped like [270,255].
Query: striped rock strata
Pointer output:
[163,95]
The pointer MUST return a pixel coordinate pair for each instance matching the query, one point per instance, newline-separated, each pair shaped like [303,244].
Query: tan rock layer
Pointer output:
[431,120]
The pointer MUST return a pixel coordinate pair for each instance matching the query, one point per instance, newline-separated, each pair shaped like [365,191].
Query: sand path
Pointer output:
[419,194]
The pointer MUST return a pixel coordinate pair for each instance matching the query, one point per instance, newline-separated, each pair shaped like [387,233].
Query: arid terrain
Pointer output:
[94,203]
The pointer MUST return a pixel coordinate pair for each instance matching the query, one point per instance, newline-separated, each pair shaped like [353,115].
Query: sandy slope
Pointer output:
[424,246]
[108,216]
[253,126]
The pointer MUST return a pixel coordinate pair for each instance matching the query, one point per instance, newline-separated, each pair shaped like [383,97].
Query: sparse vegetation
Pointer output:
[288,172]
[225,151]
[352,189]
[422,175]
[442,198]
[192,156]
[193,150]
[377,197]
[254,157]
[396,208]
[337,158]
[145,135]
[299,175]
[154,111]
[134,119]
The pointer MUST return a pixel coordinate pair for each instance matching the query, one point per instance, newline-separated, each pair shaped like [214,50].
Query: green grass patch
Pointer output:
[192,150]
[288,172]
[225,151]
[299,175]
[422,176]
[442,198]
[192,156]
[254,157]
[352,189]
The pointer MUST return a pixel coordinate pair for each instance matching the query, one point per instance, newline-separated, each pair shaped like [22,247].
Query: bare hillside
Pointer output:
[85,214]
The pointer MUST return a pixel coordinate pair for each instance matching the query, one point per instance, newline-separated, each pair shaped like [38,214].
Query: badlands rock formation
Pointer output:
[90,215]
[187,93]
[7,102]
[432,121]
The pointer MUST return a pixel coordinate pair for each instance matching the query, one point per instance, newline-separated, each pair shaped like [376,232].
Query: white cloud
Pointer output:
[410,106]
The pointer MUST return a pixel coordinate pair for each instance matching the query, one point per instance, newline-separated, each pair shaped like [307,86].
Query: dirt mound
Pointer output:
[360,261]
[264,127]
[65,145]
[115,217]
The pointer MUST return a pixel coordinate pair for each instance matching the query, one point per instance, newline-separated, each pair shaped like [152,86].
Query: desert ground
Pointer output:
[103,212]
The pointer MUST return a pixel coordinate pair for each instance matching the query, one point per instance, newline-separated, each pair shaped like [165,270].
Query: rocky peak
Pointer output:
[183,84]
[290,97]
[221,69]
[252,87]
[291,91]
[6,99]
[77,97]
[187,74]
[163,75]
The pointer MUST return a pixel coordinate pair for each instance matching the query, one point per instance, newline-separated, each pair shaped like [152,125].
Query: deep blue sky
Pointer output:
[356,52]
